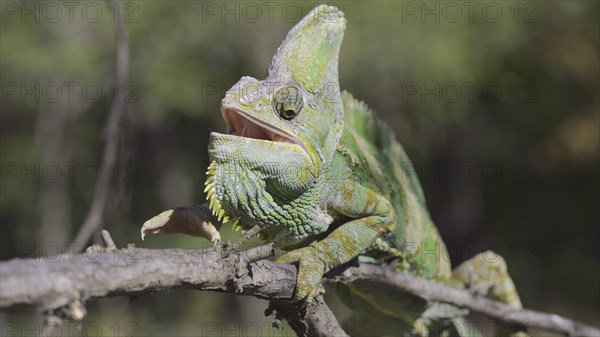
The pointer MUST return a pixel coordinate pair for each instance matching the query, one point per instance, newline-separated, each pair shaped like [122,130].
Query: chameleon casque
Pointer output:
[325,181]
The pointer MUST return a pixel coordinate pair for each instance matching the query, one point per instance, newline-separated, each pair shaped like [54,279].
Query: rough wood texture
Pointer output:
[66,282]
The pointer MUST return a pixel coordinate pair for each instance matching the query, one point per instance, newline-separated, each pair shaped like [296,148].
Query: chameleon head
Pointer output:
[294,118]
[299,102]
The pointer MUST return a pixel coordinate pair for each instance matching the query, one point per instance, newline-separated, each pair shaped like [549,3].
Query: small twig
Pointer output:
[252,255]
[108,240]
[93,220]
[247,236]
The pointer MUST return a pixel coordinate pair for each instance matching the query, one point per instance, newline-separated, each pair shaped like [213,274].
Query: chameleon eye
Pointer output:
[287,101]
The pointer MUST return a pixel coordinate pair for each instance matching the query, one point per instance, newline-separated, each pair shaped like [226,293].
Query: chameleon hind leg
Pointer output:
[486,274]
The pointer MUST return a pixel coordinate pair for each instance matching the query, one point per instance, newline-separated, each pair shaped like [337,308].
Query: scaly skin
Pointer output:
[325,180]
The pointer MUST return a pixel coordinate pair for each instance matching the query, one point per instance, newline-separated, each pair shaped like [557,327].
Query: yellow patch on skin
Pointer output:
[211,194]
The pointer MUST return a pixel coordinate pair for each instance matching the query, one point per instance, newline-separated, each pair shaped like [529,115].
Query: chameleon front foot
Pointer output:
[195,221]
[310,272]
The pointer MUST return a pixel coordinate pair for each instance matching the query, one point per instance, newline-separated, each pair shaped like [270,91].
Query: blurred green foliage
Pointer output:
[496,102]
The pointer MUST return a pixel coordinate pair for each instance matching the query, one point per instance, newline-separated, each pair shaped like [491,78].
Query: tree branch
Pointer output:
[461,298]
[68,281]
[71,280]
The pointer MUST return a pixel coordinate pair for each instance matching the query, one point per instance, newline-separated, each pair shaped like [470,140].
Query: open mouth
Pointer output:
[242,125]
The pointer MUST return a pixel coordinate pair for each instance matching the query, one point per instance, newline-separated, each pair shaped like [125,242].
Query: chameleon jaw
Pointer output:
[243,125]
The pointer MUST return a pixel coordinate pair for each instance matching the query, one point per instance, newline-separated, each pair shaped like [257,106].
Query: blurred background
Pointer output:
[497,104]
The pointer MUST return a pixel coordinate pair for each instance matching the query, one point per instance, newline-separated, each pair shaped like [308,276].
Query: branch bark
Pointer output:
[68,281]
[461,298]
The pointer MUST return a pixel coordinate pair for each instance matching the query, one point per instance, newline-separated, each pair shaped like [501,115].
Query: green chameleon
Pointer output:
[326,181]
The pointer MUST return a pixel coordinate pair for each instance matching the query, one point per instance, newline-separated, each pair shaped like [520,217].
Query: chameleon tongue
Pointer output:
[277,137]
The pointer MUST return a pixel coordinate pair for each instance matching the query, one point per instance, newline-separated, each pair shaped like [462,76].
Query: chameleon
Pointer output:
[327,182]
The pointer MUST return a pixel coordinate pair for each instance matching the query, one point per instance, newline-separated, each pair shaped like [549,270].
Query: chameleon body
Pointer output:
[326,181]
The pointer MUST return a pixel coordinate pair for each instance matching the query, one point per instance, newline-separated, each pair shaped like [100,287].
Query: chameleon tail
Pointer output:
[486,274]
